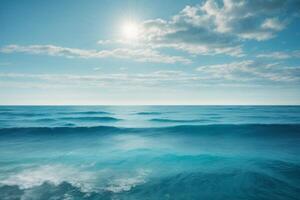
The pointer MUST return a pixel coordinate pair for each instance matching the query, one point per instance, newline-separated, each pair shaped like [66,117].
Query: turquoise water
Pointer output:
[150,152]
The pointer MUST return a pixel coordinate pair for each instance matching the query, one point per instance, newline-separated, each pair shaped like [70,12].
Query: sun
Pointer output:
[130,30]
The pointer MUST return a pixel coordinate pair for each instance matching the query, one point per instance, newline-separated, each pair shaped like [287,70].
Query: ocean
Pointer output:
[149,152]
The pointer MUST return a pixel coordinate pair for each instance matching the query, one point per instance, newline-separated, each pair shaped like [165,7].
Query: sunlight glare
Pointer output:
[130,30]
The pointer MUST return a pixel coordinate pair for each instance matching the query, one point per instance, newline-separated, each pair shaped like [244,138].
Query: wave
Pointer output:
[125,184]
[241,130]
[100,119]
[22,114]
[14,132]
[233,183]
[47,190]
[45,120]
[149,113]
[69,124]
[64,177]
[179,120]
[5,109]
[54,174]
[86,113]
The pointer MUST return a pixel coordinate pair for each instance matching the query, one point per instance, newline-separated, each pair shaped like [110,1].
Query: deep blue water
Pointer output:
[150,152]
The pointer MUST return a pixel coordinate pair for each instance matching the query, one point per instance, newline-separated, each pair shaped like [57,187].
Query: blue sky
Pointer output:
[149,52]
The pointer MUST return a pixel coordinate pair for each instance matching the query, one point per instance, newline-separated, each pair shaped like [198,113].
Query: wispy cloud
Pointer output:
[117,80]
[140,55]
[280,55]
[235,74]
[249,70]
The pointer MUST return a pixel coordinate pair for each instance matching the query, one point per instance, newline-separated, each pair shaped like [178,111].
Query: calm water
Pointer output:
[150,152]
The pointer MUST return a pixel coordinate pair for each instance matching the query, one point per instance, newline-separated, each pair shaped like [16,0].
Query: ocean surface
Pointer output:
[149,152]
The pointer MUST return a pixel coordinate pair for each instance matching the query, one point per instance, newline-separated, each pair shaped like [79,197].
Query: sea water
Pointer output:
[149,152]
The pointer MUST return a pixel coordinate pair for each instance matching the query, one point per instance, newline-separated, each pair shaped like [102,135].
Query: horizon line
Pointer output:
[149,104]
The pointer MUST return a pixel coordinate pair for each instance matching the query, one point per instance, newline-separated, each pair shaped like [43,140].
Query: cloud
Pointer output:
[245,73]
[219,27]
[273,24]
[249,70]
[248,19]
[209,28]
[115,80]
[140,55]
[280,55]
[97,68]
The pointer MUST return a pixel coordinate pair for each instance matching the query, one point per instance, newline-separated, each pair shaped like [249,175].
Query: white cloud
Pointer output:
[115,80]
[236,74]
[97,68]
[273,24]
[280,55]
[209,28]
[249,70]
[218,27]
[140,55]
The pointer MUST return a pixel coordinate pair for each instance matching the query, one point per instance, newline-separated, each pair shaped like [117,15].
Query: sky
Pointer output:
[142,52]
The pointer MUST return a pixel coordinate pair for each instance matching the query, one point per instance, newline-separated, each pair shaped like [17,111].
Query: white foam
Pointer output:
[54,174]
[86,181]
[127,183]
